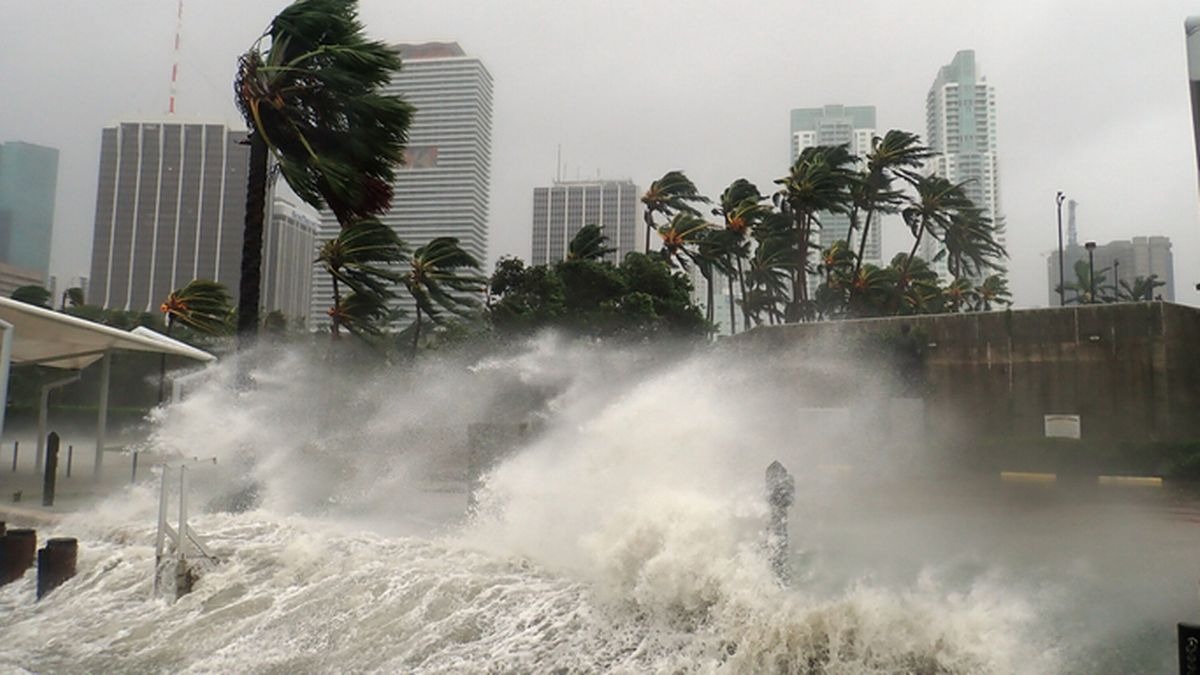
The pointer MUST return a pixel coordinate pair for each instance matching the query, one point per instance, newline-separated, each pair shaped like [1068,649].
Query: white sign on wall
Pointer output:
[1062,426]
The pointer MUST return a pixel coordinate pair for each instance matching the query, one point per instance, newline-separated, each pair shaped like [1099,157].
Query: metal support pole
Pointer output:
[102,413]
[16,447]
[50,479]
[1062,277]
[6,338]
[133,471]
[70,453]
[181,549]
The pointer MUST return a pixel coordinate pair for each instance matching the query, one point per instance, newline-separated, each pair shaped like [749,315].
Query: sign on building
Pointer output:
[1062,426]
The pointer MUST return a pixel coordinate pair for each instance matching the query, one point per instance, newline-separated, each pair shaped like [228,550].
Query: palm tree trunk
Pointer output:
[862,245]
[335,323]
[252,242]
[648,218]
[416,332]
[712,315]
[742,288]
[732,309]
[913,252]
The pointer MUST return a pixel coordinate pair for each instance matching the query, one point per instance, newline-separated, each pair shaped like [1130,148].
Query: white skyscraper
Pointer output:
[960,117]
[854,127]
[564,208]
[289,248]
[442,191]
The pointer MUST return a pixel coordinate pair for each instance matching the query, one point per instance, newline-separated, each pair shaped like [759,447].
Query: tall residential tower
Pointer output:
[960,118]
[854,127]
[442,190]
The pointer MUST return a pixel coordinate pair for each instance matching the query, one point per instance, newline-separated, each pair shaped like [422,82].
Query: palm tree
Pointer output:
[742,208]
[767,276]
[436,280]
[589,243]
[72,297]
[994,289]
[937,199]
[970,245]
[1142,288]
[1084,283]
[671,194]
[896,154]
[201,305]
[310,90]
[363,257]
[818,181]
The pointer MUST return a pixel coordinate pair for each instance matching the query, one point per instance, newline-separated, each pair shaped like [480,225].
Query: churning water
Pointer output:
[625,535]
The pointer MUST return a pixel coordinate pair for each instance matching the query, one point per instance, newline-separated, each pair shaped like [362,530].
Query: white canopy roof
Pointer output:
[48,338]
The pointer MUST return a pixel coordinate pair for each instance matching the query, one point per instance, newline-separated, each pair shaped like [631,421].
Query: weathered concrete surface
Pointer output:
[1130,370]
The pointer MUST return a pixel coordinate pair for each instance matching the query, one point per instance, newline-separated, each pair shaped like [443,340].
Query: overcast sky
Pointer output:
[1092,96]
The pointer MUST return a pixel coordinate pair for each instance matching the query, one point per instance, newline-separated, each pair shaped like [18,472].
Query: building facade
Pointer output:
[562,209]
[960,117]
[854,127]
[442,190]
[28,182]
[1123,260]
[170,207]
[1191,28]
[289,249]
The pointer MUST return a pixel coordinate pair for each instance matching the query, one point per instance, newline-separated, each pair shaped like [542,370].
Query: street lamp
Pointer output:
[1062,279]
[1091,249]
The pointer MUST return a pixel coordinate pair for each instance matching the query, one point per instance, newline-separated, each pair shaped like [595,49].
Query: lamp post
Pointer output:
[1091,249]
[1062,278]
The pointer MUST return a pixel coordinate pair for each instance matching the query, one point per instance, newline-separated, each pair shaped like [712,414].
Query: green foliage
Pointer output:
[311,86]
[589,243]
[33,295]
[202,305]
[594,298]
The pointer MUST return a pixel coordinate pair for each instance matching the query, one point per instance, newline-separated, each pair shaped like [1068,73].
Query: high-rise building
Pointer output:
[960,118]
[442,190]
[289,248]
[28,179]
[854,127]
[561,210]
[1123,260]
[170,207]
[1191,29]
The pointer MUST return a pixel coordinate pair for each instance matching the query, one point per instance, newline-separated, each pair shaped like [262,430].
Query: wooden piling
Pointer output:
[51,477]
[18,548]
[16,447]
[56,564]
[70,454]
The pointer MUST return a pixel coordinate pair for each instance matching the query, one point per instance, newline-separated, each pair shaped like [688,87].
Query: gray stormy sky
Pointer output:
[1092,95]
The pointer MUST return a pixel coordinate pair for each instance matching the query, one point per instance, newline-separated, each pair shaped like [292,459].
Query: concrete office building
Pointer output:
[854,127]
[561,210]
[289,249]
[1191,29]
[28,181]
[1121,260]
[960,116]
[442,191]
[170,207]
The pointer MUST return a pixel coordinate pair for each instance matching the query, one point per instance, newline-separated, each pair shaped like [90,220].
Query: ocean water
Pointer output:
[625,537]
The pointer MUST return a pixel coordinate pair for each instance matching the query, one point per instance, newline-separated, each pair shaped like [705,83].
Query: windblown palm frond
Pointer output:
[202,305]
[589,243]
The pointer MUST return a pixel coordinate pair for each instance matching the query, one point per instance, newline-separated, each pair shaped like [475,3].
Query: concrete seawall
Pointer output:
[1131,371]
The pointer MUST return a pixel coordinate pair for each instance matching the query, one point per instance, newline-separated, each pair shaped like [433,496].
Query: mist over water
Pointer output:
[624,534]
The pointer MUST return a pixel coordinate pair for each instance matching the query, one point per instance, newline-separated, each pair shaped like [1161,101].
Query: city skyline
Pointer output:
[28,187]
[1060,130]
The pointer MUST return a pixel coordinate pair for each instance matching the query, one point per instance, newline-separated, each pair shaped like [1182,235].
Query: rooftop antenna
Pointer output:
[1072,232]
[175,59]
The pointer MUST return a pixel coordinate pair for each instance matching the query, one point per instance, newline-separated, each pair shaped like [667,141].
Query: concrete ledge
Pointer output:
[1131,481]
[1027,477]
